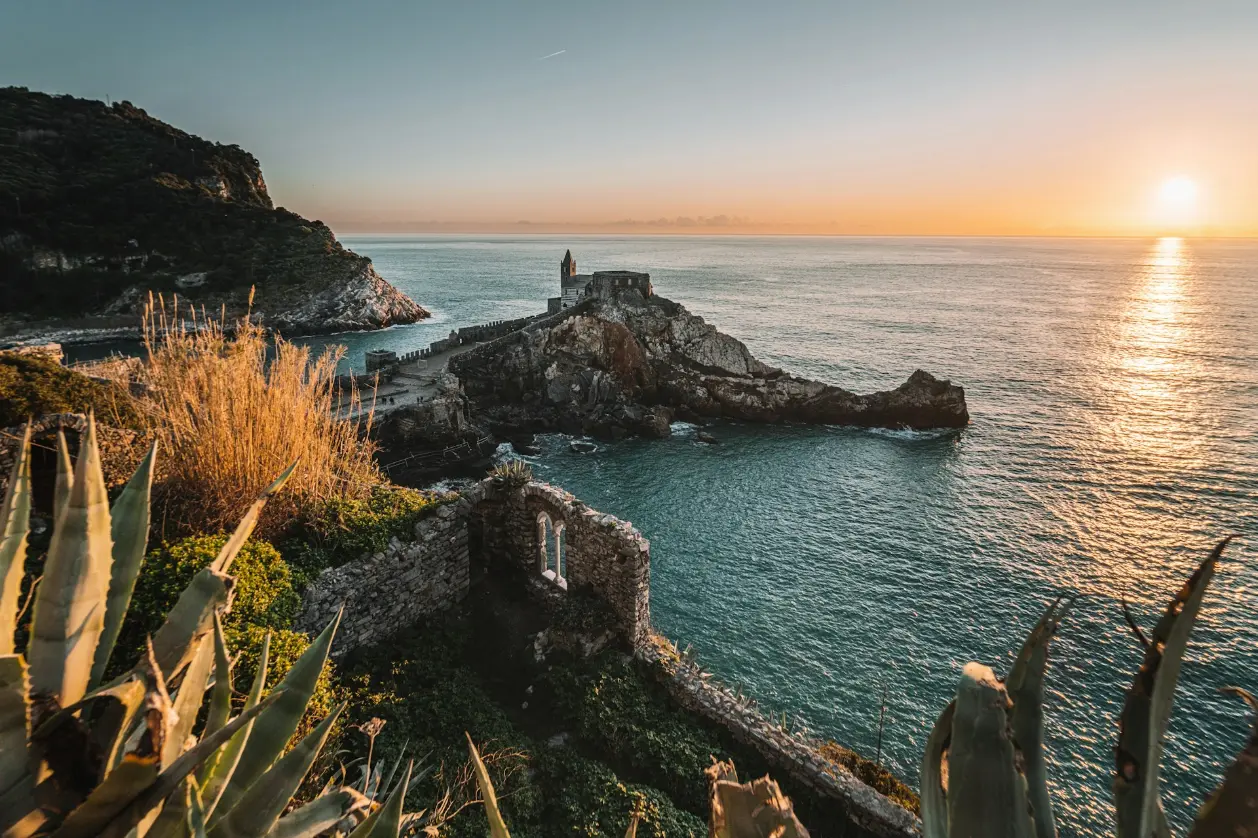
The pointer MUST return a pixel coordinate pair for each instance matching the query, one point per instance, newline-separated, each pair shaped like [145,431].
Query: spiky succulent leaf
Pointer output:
[196,814]
[189,699]
[632,831]
[934,800]
[497,826]
[272,732]
[258,809]
[390,822]
[1025,687]
[191,620]
[320,814]
[1147,709]
[1232,809]
[69,610]
[15,517]
[65,477]
[987,794]
[223,561]
[221,696]
[150,798]
[129,528]
[15,722]
[218,770]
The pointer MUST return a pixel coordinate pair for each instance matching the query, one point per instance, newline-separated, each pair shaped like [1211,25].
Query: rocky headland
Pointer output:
[624,364]
[99,205]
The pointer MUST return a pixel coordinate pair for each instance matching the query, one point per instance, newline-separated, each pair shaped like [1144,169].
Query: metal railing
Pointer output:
[452,454]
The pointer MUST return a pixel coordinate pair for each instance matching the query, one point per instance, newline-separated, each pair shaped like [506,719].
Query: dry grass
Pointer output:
[233,409]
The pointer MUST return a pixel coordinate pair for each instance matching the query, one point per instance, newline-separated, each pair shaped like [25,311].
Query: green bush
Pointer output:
[872,774]
[586,798]
[344,529]
[620,712]
[31,386]
[264,595]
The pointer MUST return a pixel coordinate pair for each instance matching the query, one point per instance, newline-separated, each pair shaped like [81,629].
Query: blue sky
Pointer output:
[882,117]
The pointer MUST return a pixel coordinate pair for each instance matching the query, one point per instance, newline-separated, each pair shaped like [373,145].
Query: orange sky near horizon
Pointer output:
[979,117]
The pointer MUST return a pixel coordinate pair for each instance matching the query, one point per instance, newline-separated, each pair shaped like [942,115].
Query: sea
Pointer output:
[842,577]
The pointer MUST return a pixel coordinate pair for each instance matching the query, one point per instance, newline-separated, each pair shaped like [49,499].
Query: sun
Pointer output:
[1176,204]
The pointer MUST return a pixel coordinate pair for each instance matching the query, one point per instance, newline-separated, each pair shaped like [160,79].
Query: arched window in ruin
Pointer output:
[551,561]
[561,553]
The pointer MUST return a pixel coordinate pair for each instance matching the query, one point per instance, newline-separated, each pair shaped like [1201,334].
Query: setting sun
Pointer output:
[1177,203]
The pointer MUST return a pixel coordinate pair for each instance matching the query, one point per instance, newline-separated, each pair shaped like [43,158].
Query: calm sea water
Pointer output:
[1113,386]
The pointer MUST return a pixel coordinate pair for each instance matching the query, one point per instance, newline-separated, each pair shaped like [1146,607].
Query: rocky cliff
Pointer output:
[101,204]
[629,364]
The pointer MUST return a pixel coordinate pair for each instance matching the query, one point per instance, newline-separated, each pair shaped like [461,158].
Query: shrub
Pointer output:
[872,774]
[231,411]
[619,712]
[32,386]
[342,529]
[514,473]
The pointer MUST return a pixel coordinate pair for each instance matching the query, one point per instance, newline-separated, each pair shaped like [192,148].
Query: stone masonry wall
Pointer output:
[387,591]
[789,753]
[603,554]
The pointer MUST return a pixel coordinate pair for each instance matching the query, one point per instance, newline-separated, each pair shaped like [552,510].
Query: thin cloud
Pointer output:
[552,55]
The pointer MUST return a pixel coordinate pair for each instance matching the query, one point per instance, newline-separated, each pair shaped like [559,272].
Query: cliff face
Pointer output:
[629,364]
[100,205]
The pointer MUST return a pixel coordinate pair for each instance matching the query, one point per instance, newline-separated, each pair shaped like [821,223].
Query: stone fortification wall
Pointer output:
[585,549]
[386,591]
[470,334]
[788,753]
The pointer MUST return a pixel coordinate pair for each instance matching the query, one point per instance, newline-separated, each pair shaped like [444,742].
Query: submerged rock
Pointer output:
[707,438]
[624,364]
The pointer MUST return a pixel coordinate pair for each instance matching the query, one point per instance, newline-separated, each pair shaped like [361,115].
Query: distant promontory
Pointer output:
[101,204]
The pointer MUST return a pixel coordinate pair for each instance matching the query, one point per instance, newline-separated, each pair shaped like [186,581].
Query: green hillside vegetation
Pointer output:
[142,202]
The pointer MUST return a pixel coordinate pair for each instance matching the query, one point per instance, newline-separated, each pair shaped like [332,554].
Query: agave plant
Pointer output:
[80,756]
[984,773]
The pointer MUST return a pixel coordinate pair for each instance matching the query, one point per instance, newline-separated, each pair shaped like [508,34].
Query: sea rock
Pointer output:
[626,364]
[707,438]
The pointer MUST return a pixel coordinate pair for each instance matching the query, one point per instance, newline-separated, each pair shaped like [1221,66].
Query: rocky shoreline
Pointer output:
[625,365]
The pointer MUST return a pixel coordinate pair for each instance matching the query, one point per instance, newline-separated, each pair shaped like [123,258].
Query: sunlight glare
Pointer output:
[1176,203]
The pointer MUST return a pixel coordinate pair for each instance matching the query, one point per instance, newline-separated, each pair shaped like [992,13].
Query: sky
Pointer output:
[855,118]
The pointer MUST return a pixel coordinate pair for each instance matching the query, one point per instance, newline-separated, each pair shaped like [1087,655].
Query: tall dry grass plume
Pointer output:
[233,407]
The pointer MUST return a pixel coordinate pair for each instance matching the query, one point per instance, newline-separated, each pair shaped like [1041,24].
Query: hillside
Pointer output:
[101,204]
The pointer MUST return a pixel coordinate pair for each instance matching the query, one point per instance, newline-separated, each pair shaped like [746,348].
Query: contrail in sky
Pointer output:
[552,55]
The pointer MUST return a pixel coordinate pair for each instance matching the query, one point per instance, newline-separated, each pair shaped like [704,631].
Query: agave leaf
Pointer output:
[221,696]
[749,810]
[172,820]
[1025,687]
[390,822]
[261,805]
[632,831]
[152,796]
[497,827]
[15,722]
[1147,709]
[20,817]
[1232,809]
[65,477]
[188,701]
[108,731]
[223,562]
[70,603]
[191,619]
[934,800]
[987,794]
[16,517]
[320,814]
[272,732]
[129,528]
[196,814]
[219,768]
